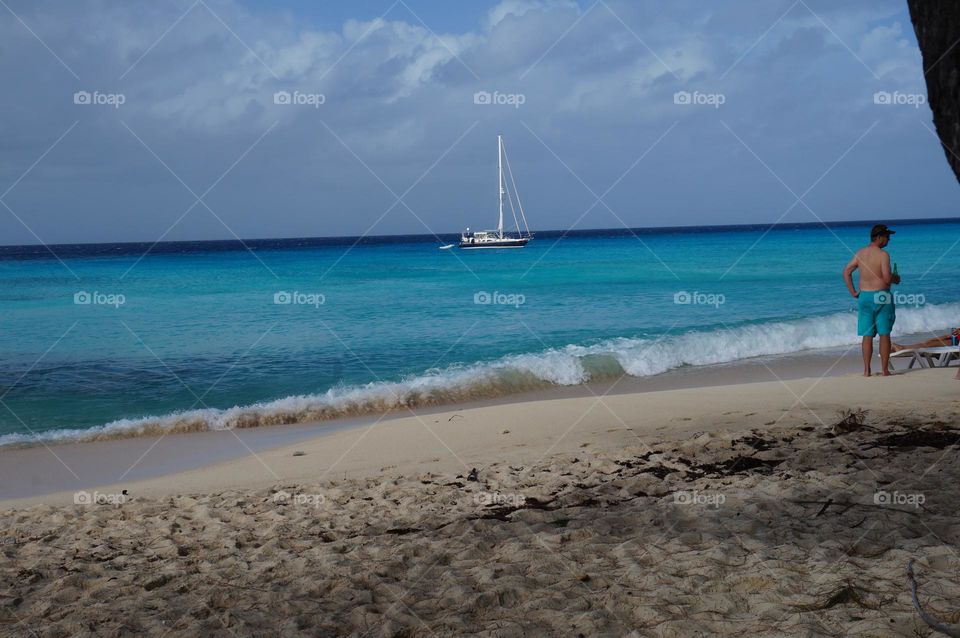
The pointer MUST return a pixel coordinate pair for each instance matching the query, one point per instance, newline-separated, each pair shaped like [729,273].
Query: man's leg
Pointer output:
[885,354]
[866,327]
[886,317]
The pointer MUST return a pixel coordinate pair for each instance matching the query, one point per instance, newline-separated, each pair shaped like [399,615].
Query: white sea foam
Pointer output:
[570,365]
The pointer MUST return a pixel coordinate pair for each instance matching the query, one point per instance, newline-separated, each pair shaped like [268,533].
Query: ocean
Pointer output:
[133,339]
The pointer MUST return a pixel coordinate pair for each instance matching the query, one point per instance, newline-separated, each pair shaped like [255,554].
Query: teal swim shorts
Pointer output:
[877,313]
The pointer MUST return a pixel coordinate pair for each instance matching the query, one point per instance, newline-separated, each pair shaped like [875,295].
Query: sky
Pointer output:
[134,120]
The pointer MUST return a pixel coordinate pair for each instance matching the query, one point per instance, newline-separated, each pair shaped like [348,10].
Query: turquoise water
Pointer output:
[191,336]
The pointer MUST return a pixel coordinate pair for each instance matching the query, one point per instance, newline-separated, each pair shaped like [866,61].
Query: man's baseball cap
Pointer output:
[881,230]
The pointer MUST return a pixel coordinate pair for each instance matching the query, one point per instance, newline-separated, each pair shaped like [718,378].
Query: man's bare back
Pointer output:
[873,263]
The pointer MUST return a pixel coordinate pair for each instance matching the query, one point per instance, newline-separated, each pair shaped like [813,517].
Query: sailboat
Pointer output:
[497,238]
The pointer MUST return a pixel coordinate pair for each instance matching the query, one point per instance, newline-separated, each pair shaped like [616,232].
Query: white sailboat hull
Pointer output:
[506,242]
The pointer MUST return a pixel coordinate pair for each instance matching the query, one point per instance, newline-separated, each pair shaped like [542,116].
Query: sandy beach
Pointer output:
[713,510]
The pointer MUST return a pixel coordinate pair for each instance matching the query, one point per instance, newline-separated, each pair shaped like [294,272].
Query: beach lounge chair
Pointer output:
[909,354]
[928,357]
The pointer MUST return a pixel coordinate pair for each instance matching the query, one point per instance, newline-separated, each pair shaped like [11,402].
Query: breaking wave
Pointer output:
[569,365]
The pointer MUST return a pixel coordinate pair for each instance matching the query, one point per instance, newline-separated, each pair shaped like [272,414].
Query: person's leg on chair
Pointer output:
[929,343]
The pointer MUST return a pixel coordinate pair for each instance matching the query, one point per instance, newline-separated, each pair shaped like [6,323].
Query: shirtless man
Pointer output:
[874,300]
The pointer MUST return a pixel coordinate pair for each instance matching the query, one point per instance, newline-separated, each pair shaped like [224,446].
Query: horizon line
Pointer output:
[425,237]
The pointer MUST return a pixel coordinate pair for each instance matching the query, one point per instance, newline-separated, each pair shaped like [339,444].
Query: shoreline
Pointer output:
[182,463]
[679,360]
[57,467]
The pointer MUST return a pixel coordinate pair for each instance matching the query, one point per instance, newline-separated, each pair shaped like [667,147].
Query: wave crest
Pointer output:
[570,365]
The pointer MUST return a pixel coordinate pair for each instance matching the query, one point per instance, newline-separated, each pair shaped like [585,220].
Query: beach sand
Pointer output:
[737,509]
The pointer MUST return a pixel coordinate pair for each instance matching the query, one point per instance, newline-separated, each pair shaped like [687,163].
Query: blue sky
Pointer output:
[442,16]
[618,112]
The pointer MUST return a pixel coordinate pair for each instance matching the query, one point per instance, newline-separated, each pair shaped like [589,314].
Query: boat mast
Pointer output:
[500,173]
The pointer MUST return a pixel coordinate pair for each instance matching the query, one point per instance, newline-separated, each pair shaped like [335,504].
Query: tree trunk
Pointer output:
[937,25]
